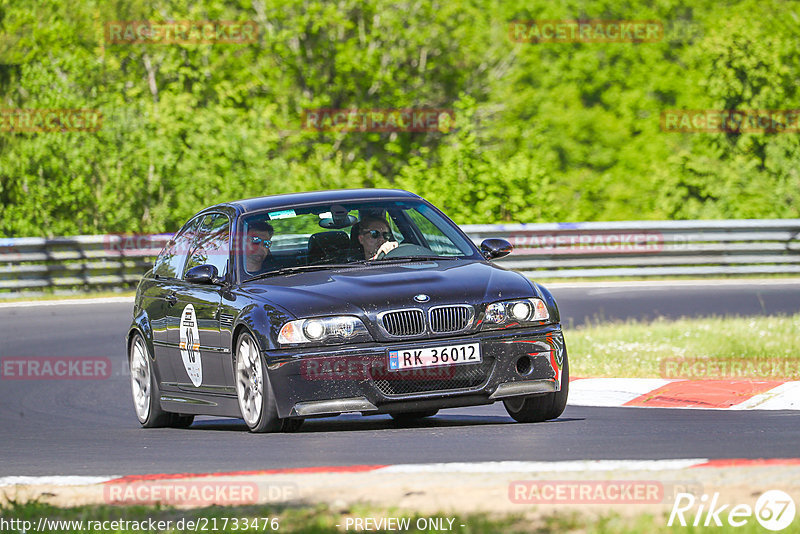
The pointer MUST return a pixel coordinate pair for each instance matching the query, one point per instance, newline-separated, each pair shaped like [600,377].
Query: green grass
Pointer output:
[638,349]
[322,520]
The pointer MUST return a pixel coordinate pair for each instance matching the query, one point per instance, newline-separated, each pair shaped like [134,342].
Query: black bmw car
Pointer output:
[287,307]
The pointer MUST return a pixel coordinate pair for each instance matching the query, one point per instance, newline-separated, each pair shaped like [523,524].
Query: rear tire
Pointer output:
[146,393]
[541,407]
[254,391]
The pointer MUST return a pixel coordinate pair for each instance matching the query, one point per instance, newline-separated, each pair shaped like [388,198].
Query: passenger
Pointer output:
[375,237]
[257,246]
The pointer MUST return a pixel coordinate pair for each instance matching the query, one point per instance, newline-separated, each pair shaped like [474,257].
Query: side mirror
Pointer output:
[203,274]
[494,248]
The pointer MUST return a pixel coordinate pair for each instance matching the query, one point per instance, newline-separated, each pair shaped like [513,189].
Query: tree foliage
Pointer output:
[544,132]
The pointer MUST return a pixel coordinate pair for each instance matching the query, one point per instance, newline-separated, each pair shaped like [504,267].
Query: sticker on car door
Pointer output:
[190,345]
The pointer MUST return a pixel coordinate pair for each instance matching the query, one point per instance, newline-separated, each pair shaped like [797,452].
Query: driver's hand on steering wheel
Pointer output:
[384,249]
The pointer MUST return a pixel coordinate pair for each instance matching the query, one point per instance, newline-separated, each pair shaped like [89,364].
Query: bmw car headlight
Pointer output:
[510,312]
[324,330]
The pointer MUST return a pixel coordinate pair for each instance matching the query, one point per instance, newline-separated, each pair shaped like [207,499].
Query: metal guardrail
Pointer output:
[557,250]
[77,263]
[649,248]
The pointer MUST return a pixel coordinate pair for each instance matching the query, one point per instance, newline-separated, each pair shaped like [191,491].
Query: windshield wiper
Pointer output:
[354,263]
[407,259]
[298,269]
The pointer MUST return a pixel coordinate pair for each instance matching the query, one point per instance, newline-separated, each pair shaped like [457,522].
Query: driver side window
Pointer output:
[170,261]
[211,246]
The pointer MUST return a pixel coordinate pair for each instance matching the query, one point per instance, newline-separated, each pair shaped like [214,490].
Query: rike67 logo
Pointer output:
[774,510]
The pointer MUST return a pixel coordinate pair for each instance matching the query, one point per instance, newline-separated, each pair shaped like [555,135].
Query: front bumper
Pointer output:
[354,378]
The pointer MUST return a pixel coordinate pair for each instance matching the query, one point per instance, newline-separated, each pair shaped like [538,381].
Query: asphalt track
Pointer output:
[71,427]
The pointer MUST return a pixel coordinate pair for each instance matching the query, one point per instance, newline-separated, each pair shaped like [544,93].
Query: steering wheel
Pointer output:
[407,249]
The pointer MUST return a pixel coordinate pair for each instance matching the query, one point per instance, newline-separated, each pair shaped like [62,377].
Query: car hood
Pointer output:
[374,288]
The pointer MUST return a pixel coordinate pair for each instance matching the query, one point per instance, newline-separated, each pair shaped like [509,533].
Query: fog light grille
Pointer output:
[444,378]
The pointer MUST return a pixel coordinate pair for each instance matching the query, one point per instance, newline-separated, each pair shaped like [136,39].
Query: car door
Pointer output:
[199,362]
[158,297]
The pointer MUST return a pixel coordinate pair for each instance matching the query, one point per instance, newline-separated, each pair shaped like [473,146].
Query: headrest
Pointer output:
[328,245]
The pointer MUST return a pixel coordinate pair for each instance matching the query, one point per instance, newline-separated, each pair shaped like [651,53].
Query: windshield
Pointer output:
[348,234]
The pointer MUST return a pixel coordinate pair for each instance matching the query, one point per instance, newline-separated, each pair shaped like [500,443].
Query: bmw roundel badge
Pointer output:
[422,297]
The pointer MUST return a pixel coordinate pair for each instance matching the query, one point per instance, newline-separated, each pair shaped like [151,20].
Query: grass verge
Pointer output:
[710,348]
[321,519]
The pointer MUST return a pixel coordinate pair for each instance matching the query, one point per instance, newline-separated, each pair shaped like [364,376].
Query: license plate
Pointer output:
[434,356]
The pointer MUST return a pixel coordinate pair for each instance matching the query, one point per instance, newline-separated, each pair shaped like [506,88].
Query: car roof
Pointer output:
[311,197]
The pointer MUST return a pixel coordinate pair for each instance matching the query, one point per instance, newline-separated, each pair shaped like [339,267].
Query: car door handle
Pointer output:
[172,299]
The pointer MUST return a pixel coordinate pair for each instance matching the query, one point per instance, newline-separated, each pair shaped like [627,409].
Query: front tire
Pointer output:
[146,393]
[256,399]
[541,407]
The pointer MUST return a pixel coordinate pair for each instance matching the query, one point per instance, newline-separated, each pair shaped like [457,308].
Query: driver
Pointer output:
[257,245]
[375,237]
